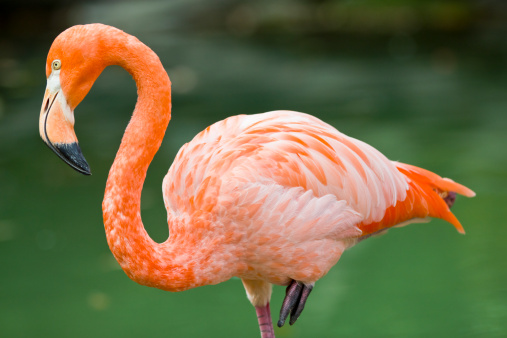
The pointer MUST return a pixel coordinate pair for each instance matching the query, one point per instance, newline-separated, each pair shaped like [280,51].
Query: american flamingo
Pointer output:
[273,198]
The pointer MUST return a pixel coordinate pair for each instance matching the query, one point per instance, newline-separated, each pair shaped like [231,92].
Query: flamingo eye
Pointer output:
[57,64]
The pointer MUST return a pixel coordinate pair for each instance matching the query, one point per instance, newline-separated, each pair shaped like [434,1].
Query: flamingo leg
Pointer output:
[265,323]
[294,302]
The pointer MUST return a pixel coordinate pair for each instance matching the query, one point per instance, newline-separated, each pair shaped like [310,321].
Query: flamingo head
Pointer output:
[73,64]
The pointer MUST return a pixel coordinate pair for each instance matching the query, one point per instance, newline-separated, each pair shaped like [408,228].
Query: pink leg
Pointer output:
[265,322]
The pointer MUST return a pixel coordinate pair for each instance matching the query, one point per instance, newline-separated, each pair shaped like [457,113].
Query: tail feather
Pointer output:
[435,191]
[428,177]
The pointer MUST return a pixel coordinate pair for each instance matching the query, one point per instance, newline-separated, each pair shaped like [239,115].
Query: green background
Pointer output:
[425,82]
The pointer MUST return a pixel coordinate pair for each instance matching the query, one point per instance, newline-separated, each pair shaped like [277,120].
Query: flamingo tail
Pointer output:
[435,193]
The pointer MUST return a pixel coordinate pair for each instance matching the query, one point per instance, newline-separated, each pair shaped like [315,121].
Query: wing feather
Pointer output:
[295,191]
[288,227]
[293,150]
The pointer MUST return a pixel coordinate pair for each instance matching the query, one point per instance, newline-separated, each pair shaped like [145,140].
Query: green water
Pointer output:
[444,109]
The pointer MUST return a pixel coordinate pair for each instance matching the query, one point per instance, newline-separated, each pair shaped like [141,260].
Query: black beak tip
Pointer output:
[71,154]
[85,170]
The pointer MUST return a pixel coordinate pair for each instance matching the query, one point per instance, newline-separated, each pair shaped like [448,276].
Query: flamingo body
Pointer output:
[273,198]
[291,192]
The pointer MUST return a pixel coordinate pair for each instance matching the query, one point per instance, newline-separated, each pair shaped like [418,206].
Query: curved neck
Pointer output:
[144,260]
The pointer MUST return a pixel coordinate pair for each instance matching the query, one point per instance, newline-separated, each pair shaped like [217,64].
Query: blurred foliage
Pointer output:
[36,18]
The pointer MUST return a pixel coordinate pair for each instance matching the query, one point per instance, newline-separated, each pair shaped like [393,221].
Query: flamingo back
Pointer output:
[291,149]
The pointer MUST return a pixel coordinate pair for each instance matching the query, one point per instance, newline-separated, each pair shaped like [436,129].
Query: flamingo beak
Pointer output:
[56,127]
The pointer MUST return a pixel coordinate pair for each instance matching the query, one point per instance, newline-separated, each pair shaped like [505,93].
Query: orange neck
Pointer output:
[144,261]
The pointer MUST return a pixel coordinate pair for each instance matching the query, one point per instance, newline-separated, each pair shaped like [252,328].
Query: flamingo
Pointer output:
[272,198]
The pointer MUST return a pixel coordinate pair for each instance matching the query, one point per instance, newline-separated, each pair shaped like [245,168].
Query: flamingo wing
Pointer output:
[284,177]
[293,150]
